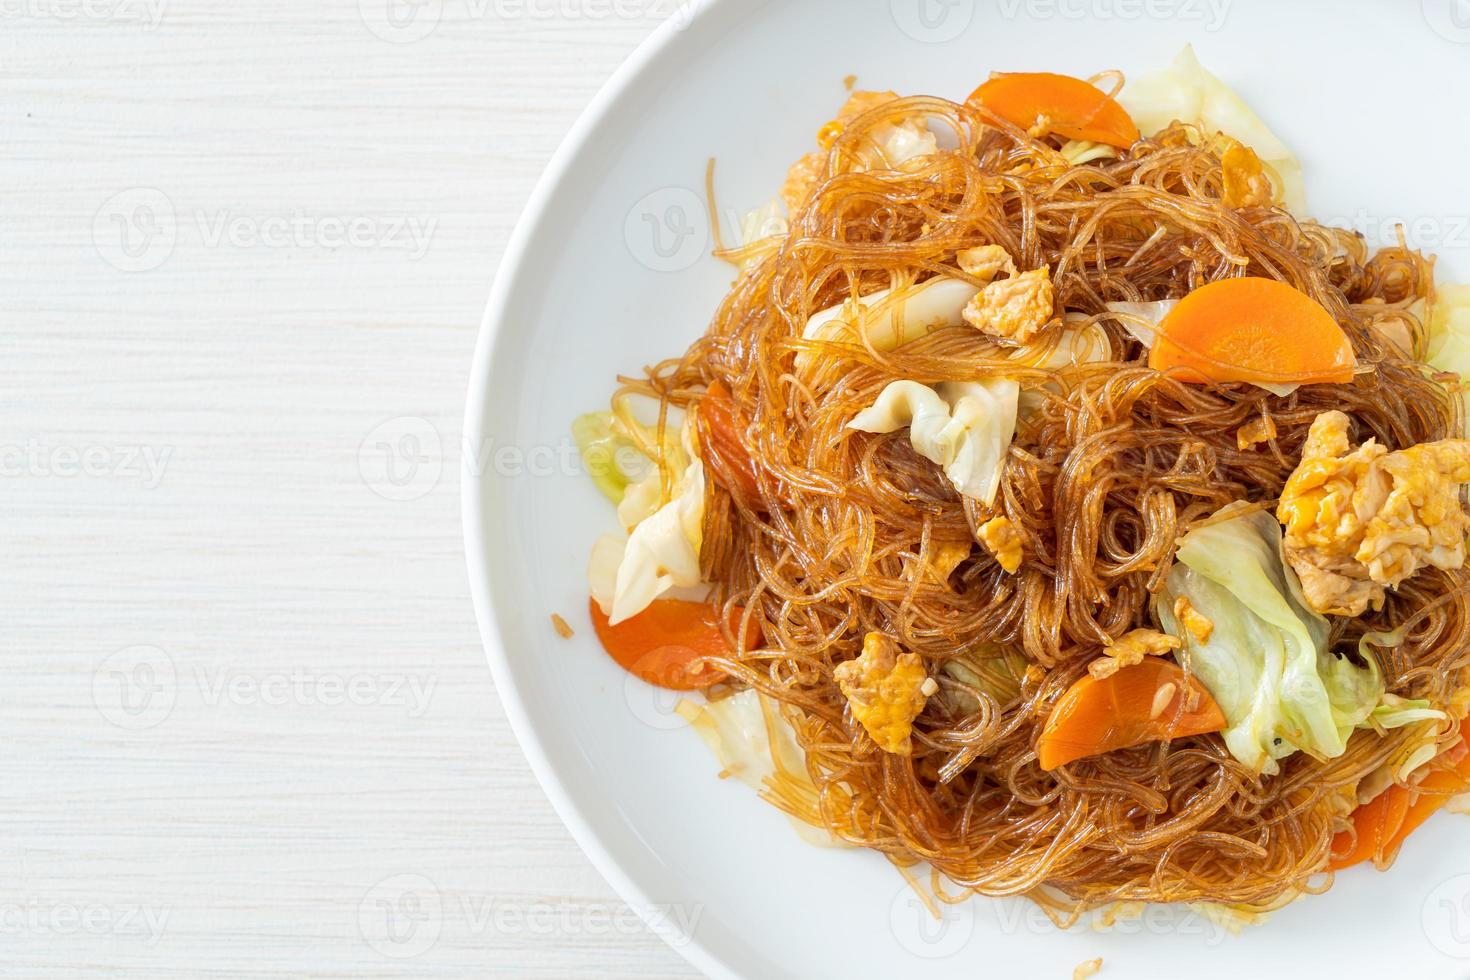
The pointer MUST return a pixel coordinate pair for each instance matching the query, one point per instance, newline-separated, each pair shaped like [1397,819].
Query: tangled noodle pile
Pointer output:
[1116,463]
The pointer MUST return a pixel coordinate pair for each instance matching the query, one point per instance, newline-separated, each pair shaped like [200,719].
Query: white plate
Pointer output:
[610,270]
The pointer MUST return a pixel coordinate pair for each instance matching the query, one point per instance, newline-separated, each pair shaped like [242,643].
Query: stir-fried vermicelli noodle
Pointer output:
[828,534]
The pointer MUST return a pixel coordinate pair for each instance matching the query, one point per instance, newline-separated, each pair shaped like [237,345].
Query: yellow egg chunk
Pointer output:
[1002,539]
[1130,650]
[1014,309]
[1361,521]
[1200,626]
[985,262]
[886,691]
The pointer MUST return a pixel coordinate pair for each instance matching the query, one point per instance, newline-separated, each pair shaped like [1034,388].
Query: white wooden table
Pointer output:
[246,726]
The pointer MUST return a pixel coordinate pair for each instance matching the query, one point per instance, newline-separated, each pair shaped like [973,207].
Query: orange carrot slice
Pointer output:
[1386,821]
[662,643]
[1076,109]
[1377,823]
[1118,712]
[719,425]
[1435,790]
[1252,329]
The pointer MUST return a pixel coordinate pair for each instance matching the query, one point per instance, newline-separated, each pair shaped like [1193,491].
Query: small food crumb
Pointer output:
[985,262]
[828,134]
[1088,969]
[1192,697]
[1199,625]
[563,629]
[1252,433]
[1162,697]
[849,82]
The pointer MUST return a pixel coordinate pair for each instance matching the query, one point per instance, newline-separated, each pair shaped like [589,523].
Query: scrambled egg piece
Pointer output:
[886,691]
[1014,309]
[1255,432]
[1361,521]
[1246,183]
[1087,969]
[985,262]
[1198,624]
[1000,536]
[945,557]
[1130,649]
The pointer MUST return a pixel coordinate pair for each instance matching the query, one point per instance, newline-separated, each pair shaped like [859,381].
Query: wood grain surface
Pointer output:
[248,727]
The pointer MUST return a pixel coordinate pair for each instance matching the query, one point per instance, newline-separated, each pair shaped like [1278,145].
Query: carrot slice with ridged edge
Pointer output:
[1383,823]
[661,644]
[1118,712]
[1076,109]
[1252,329]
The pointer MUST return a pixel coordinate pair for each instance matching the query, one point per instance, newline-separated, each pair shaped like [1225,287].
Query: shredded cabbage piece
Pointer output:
[889,318]
[1266,663]
[1396,712]
[756,744]
[1422,746]
[999,676]
[1449,333]
[1186,92]
[965,427]
[661,550]
[1142,320]
[611,458]
[1078,341]
[1078,152]
[899,143]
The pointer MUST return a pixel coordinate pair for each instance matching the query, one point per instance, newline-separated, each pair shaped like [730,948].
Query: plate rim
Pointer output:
[583,831]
